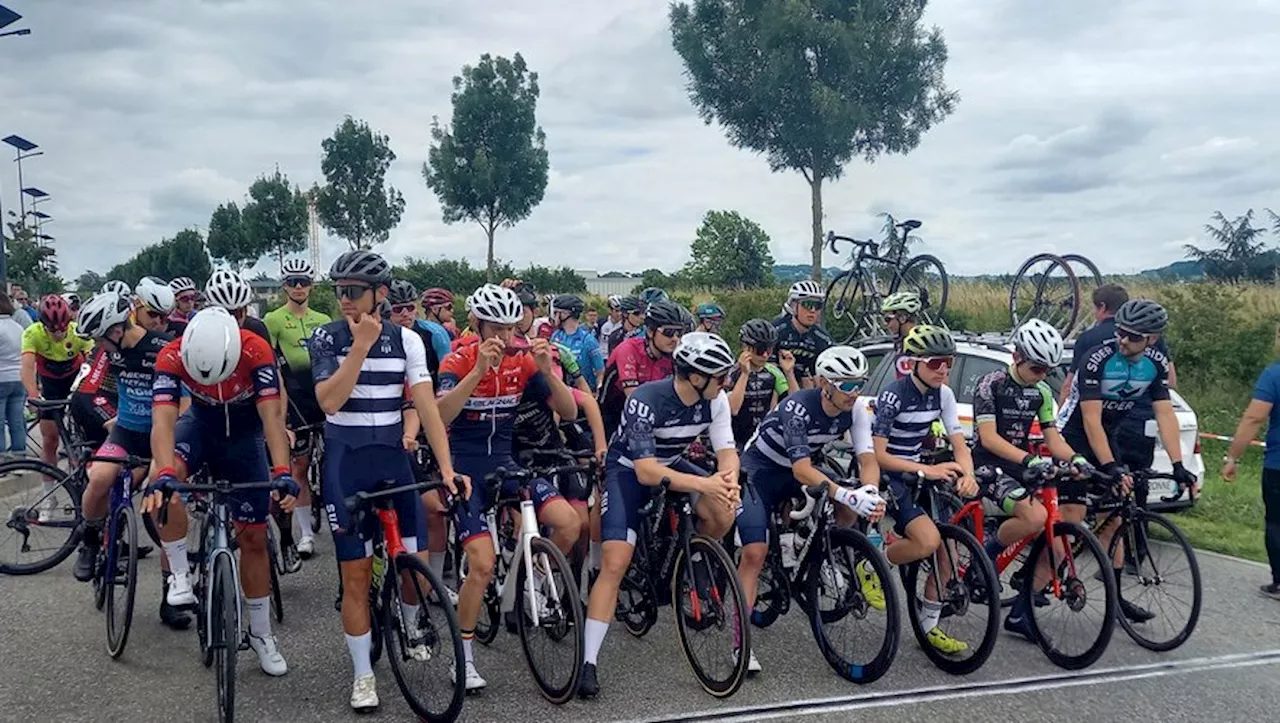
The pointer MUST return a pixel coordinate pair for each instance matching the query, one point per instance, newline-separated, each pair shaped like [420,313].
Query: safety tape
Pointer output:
[1220,438]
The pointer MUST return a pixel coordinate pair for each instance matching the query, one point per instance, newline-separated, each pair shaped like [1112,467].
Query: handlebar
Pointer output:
[129,460]
[46,404]
[527,457]
[217,487]
[1145,475]
[354,502]
[811,497]
[832,238]
[502,474]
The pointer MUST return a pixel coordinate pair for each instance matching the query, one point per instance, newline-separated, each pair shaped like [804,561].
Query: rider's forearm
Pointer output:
[650,472]
[412,426]
[437,437]
[960,450]
[893,463]
[1097,436]
[334,392]
[277,437]
[163,419]
[808,475]
[739,393]
[727,460]
[562,401]
[868,470]
[1167,424]
[29,376]
[999,446]
[591,410]
[450,403]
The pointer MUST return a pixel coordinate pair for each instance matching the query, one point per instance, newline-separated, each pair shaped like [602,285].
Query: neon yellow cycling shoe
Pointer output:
[944,643]
[869,581]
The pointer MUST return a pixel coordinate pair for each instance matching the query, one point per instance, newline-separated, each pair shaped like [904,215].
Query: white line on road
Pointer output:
[930,694]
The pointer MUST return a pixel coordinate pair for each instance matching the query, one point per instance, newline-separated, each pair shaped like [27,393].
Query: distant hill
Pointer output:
[1177,270]
[791,273]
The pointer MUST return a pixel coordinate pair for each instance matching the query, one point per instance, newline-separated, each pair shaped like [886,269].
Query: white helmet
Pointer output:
[1038,342]
[704,352]
[297,267]
[116,287]
[615,301]
[806,289]
[155,294]
[101,313]
[496,304]
[181,284]
[228,290]
[841,363]
[211,346]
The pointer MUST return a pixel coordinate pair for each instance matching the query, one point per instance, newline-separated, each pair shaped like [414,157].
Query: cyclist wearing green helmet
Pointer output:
[899,310]
[710,317]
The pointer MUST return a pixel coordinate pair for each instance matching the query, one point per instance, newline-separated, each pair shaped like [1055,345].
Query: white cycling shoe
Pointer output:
[753,665]
[364,694]
[180,592]
[269,657]
[474,682]
[306,546]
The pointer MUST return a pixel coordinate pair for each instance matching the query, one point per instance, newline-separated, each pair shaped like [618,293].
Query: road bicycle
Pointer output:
[115,578]
[854,296]
[1046,288]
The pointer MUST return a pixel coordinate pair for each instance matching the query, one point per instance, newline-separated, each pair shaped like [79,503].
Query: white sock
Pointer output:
[593,636]
[435,563]
[360,647]
[593,554]
[302,521]
[410,614]
[467,651]
[259,616]
[177,553]
[930,614]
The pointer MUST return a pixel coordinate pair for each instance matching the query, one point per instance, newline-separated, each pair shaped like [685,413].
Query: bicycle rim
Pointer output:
[1063,628]
[926,276]
[858,641]
[122,582]
[966,586]
[1045,288]
[27,544]
[715,607]
[1162,575]
[553,648]
[226,635]
[433,687]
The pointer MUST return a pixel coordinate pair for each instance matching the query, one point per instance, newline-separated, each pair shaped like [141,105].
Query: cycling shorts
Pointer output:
[53,389]
[905,508]
[90,413]
[1004,490]
[624,495]
[471,520]
[123,442]
[239,459]
[763,490]
[350,470]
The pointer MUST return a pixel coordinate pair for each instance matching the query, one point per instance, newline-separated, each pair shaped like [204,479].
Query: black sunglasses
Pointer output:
[1132,337]
[672,332]
[402,308]
[351,291]
[297,281]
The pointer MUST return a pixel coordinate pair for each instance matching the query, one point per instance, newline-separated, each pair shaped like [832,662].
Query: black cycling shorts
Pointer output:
[90,412]
[53,389]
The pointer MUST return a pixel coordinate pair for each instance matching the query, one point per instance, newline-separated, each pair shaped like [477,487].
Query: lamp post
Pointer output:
[9,17]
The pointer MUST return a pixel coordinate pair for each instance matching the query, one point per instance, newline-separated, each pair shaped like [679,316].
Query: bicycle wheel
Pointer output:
[424,645]
[858,640]
[153,532]
[553,647]
[1091,278]
[925,275]
[121,579]
[314,471]
[1162,576]
[225,634]
[964,588]
[1086,589]
[773,594]
[1045,288]
[42,518]
[637,609]
[375,627]
[711,605]
[845,300]
[276,565]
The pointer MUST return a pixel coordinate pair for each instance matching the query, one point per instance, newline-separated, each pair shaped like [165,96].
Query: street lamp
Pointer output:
[23,148]
[9,17]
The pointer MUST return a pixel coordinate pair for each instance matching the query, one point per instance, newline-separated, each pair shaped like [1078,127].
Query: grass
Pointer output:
[1228,518]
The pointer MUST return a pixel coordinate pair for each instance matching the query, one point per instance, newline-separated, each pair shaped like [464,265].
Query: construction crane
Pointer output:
[313,232]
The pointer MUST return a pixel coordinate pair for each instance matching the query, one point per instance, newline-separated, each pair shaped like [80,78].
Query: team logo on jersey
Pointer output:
[697,415]
[267,376]
[1023,403]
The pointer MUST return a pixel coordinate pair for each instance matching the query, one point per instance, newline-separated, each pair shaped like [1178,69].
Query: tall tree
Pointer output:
[228,240]
[812,83]
[355,203]
[275,219]
[89,282]
[182,255]
[490,165]
[30,263]
[730,251]
[1241,255]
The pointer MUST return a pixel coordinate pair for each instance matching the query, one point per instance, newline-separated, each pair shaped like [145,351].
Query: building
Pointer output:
[606,286]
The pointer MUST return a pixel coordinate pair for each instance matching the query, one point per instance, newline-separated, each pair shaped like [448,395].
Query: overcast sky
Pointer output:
[1112,129]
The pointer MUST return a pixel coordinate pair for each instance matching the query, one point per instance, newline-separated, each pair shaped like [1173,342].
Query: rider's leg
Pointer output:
[49,441]
[302,522]
[565,525]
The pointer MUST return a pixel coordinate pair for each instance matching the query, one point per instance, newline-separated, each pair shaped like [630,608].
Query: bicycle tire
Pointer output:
[640,614]
[1084,540]
[1070,309]
[202,587]
[314,470]
[838,302]
[124,538]
[1094,274]
[1146,518]
[375,627]
[226,635]
[153,532]
[409,563]
[773,603]
[736,609]
[871,671]
[276,566]
[570,624]
[987,589]
[68,484]
[932,309]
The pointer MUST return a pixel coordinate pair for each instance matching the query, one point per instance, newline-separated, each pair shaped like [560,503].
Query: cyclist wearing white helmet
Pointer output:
[609,325]
[153,302]
[235,390]
[230,290]
[116,287]
[184,303]
[799,332]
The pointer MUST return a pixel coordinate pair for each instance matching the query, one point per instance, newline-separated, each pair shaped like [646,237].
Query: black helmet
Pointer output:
[667,313]
[1142,316]
[630,304]
[653,295]
[384,309]
[402,292]
[569,303]
[758,333]
[361,265]
[527,292]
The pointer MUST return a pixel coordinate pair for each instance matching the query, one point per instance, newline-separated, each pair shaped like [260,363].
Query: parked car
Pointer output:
[980,354]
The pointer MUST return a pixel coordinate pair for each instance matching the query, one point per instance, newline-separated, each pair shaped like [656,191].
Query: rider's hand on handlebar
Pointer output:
[1186,477]
[967,486]
[157,492]
[410,444]
[1120,474]
[948,471]
[285,491]
[1080,467]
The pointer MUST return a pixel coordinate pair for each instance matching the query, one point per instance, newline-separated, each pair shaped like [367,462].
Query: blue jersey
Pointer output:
[441,342]
[586,347]
[904,414]
[657,424]
[799,428]
[372,414]
[135,372]
[1118,382]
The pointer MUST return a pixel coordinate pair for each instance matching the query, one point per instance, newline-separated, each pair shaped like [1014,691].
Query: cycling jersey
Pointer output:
[100,379]
[177,323]
[804,345]
[232,401]
[1014,407]
[1108,376]
[586,349]
[904,414]
[628,367]
[1135,422]
[290,335]
[486,425]
[55,358]
[135,370]
[762,385]
[437,341]
[620,334]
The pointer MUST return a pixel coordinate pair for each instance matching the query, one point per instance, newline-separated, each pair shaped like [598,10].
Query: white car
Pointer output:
[979,355]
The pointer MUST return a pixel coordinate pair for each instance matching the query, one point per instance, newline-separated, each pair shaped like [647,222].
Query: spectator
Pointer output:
[12,395]
[1263,408]
[593,322]
[21,301]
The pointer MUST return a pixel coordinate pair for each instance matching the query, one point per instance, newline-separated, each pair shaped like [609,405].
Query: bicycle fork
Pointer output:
[524,556]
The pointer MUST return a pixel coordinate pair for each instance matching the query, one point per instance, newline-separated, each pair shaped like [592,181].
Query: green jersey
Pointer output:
[290,334]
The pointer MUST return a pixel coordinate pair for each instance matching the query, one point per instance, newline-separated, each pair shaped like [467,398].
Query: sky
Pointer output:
[1108,129]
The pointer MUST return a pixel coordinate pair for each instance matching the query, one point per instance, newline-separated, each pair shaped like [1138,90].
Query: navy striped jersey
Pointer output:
[372,414]
[799,428]
[904,414]
[655,423]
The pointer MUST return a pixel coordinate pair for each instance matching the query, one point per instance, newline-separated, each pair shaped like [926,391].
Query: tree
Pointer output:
[355,203]
[730,251]
[812,83]
[89,282]
[182,255]
[490,165]
[456,275]
[562,280]
[30,263]
[275,219]
[228,240]
[660,279]
[1241,255]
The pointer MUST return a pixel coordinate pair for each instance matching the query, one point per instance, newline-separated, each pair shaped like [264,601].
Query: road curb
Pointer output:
[1232,558]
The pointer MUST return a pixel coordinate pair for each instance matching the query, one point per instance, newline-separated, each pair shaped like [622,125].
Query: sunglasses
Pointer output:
[297,282]
[812,305]
[850,386]
[1039,369]
[187,297]
[1132,337]
[938,363]
[672,332]
[150,314]
[762,350]
[889,319]
[403,308]
[351,291]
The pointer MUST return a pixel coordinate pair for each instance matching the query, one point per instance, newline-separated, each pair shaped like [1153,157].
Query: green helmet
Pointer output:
[904,301]
[925,340]
[709,311]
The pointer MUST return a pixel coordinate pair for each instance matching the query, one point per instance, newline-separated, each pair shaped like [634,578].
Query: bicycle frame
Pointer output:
[218,543]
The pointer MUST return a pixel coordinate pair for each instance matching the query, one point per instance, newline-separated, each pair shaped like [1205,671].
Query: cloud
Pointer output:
[1108,129]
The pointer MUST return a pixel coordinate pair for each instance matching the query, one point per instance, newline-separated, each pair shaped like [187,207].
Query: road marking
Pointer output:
[931,694]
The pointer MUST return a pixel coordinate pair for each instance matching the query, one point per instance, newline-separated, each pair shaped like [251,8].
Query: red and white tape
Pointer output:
[1220,438]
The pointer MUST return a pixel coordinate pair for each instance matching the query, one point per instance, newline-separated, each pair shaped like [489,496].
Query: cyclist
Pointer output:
[631,323]
[660,421]
[900,311]
[614,321]
[362,366]
[798,330]
[51,356]
[756,383]
[437,310]
[904,413]
[778,459]
[710,318]
[290,328]
[642,359]
[229,290]
[1104,390]
[153,302]
[184,295]
[402,298]
[73,301]
[480,388]
[579,338]
[231,375]
[116,287]
[653,295]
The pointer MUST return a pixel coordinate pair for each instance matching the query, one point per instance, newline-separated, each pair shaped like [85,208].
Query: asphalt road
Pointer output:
[54,668]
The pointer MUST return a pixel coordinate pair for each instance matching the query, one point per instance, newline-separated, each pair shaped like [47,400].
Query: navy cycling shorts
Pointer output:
[764,490]
[471,520]
[349,470]
[905,509]
[236,459]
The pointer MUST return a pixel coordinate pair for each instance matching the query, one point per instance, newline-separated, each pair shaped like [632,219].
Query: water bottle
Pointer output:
[379,571]
[873,534]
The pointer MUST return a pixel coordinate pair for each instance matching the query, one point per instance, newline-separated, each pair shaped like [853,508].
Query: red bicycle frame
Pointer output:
[391,533]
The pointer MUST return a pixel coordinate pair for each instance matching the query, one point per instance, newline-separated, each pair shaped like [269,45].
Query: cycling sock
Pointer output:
[361,647]
[594,553]
[593,637]
[930,614]
[468,637]
[409,613]
[177,552]
[435,563]
[259,616]
[302,521]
